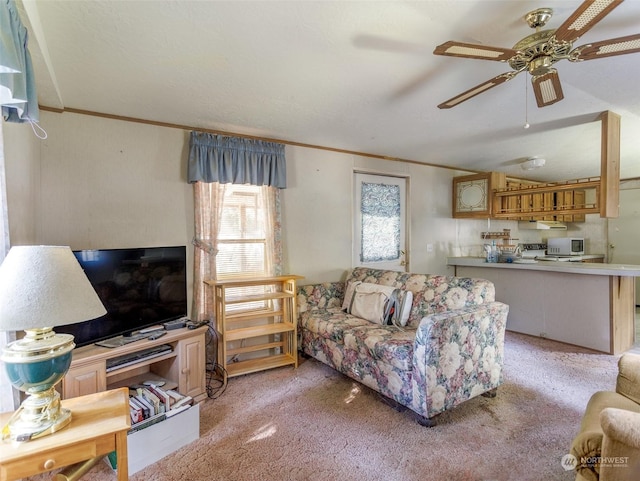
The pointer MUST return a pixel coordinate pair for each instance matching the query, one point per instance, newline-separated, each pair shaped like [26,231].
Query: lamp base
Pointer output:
[34,365]
[39,415]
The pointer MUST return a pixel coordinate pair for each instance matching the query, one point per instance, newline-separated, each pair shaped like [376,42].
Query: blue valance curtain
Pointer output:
[235,160]
[17,84]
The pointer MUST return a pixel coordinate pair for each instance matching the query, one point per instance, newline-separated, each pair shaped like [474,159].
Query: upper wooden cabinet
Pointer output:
[473,194]
[522,200]
[491,195]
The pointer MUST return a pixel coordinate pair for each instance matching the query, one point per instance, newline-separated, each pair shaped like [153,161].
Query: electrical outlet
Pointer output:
[429,247]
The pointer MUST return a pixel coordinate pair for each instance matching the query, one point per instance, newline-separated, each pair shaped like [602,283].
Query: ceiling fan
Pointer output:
[538,52]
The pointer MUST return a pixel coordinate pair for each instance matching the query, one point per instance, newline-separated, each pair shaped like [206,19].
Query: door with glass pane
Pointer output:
[380,222]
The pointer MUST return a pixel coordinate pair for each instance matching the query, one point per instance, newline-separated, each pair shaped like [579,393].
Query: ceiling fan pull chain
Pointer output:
[526,104]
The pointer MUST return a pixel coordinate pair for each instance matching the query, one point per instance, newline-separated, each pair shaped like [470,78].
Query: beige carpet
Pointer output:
[314,424]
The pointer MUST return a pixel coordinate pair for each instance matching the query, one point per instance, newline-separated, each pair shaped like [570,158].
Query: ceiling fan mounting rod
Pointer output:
[538,18]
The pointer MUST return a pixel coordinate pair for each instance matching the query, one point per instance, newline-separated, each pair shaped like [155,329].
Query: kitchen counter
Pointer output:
[584,268]
[582,303]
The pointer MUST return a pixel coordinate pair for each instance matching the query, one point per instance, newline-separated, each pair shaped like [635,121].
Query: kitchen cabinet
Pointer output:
[568,201]
[565,202]
[517,200]
[472,194]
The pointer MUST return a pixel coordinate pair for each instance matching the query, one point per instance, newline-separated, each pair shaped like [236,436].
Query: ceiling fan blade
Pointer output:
[584,18]
[478,89]
[470,50]
[547,88]
[607,48]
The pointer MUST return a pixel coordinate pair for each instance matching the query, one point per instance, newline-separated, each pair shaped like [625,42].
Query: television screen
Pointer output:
[139,288]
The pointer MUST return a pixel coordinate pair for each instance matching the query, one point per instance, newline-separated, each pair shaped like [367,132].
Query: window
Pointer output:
[237,235]
[242,240]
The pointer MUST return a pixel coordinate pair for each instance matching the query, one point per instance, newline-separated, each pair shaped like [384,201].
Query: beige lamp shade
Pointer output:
[43,286]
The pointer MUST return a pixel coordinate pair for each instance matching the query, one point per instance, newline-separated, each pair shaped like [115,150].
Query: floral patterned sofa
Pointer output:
[450,351]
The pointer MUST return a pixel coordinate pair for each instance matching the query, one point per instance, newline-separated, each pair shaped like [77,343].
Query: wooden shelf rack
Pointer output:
[256,331]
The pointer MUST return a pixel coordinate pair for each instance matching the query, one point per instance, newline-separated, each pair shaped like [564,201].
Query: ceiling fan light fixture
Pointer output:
[532,163]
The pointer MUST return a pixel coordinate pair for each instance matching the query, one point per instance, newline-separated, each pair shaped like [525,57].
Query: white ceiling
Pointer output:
[353,75]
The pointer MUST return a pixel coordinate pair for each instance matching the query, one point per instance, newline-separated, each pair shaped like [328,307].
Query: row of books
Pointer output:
[151,404]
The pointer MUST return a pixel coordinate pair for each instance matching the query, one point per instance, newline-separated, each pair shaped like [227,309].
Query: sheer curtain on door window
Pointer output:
[380,215]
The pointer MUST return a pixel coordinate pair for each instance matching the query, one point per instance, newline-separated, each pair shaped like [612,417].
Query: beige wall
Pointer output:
[98,183]
[103,183]
[318,220]
[22,170]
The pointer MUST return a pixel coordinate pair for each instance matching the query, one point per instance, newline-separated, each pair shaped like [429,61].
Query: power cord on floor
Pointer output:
[216,375]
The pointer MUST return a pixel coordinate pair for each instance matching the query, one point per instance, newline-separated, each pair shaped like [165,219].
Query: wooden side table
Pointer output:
[99,425]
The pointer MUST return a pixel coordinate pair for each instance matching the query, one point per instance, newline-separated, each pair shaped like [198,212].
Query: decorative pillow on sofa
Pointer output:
[403,308]
[393,307]
[348,295]
[371,302]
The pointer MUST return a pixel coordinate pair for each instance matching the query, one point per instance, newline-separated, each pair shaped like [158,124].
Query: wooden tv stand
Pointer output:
[182,369]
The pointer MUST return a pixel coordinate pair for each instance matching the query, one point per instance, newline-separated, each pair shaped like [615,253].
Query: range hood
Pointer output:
[542,225]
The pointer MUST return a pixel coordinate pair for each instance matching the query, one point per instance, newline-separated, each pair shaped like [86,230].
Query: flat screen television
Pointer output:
[139,287]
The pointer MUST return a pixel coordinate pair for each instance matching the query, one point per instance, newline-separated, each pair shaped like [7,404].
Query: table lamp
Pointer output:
[41,287]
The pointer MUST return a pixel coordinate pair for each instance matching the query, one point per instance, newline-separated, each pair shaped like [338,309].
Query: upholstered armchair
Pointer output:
[608,445]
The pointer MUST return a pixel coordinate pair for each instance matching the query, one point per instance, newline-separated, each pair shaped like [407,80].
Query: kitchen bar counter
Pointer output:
[584,268]
[586,304]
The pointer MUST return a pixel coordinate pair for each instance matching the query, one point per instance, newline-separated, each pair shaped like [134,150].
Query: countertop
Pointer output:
[588,268]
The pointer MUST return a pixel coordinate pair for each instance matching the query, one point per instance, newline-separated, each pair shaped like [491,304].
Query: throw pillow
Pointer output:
[348,295]
[403,309]
[371,302]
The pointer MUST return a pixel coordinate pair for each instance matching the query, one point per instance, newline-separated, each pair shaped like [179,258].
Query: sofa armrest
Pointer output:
[320,296]
[458,355]
[620,459]
[628,381]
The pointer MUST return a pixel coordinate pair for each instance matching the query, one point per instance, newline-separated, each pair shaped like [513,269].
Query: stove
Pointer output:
[539,253]
[533,251]
[560,258]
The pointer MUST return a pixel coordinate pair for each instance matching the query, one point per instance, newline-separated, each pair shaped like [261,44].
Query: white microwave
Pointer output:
[565,246]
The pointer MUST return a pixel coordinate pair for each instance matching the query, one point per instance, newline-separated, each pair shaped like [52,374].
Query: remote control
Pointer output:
[175,324]
[195,325]
[156,335]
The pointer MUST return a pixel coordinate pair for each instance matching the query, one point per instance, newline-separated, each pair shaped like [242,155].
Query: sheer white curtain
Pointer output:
[9,398]
[209,201]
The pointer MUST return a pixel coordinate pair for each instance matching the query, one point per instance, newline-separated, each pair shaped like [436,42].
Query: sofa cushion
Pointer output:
[372,302]
[388,344]
[330,323]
